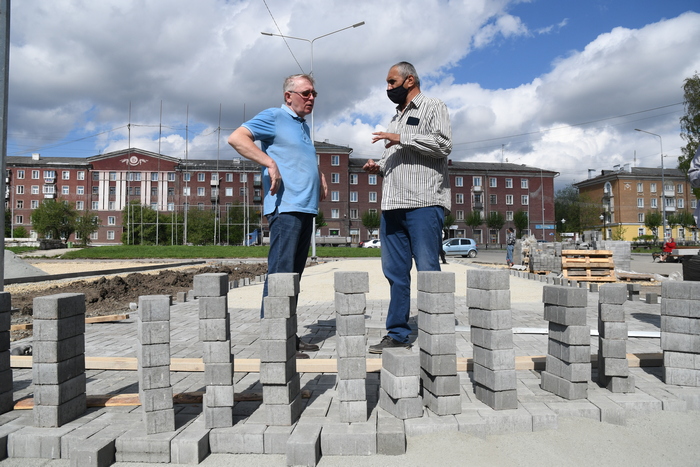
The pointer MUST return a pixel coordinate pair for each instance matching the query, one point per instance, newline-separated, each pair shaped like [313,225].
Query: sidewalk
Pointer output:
[656,425]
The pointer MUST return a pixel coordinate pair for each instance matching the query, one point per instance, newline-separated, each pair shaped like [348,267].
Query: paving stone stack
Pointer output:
[215,334]
[153,354]
[399,393]
[568,361]
[680,332]
[350,304]
[6,393]
[545,257]
[621,250]
[58,359]
[613,368]
[436,339]
[278,369]
[488,299]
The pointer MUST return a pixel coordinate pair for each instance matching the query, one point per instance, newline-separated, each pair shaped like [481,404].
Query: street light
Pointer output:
[603,218]
[311,73]
[663,185]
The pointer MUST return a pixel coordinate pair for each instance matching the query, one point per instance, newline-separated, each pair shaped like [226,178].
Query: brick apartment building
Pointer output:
[106,183]
[627,193]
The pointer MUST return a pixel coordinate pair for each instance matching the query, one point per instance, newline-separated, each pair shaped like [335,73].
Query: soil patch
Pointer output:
[112,295]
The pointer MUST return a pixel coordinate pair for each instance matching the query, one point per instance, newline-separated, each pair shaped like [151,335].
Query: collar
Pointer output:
[415,102]
[292,113]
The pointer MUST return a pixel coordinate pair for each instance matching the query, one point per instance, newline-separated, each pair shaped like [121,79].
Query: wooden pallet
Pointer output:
[588,265]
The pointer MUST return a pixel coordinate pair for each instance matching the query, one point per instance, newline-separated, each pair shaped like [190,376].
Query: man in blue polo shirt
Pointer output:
[292,182]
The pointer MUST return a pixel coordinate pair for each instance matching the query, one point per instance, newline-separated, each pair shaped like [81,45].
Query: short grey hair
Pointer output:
[290,81]
[406,69]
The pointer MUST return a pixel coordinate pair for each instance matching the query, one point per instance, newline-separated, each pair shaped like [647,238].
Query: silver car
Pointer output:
[460,246]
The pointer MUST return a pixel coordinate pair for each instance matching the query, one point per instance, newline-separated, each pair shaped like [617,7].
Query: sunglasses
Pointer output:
[306,94]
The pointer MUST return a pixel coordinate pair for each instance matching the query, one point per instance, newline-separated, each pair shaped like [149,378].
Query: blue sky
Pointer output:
[554,84]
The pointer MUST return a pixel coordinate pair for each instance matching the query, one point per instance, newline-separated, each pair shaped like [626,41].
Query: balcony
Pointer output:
[477,188]
[49,195]
[214,182]
[257,199]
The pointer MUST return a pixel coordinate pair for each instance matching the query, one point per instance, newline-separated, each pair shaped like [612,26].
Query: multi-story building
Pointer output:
[626,194]
[105,184]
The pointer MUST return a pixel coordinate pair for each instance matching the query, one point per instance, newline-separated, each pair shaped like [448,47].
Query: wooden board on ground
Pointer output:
[635,276]
[91,320]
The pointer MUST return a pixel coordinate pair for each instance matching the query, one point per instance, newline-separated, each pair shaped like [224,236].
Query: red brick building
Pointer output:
[105,184]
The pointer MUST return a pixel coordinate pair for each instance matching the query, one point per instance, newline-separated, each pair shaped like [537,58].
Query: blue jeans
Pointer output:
[408,234]
[509,253]
[290,238]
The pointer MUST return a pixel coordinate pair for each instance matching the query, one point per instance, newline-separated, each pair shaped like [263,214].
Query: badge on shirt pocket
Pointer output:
[412,121]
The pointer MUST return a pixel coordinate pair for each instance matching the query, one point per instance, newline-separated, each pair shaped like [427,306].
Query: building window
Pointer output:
[509,183]
[335,213]
[229,191]
[242,192]
[200,191]
[372,196]
[111,220]
[335,160]
[171,176]
[80,190]
[372,211]
[94,236]
[112,190]
[81,175]
[229,177]
[509,215]
[476,181]
[477,199]
[154,206]
[171,191]
[679,188]
[652,187]
[523,183]
[681,203]
[257,178]
[671,202]
[95,205]
[509,200]
[459,181]
[65,175]
[200,177]
[20,189]
[200,206]
[19,219]
[35,189]
[110,205]
[110,235]
[65,190]
[459,198]
[640,231]
[372,179]
[354,214]
[353,197]
[243,178]
[640,217]
[34,204]
[49,189]
[95,176]
[20,174]
[335,196]
[154,191]
[171,207]
[353,179]
[154,176]
[186,177]
[653,203]
[35,175]
[20,204]
[493,199]
[459,215]
[640,202]
[185,191]
[95,190]
[693,203]
[640,187]
[335,178]
[524,200]
[214,176]
[113,176]
[80,205]
[493,182]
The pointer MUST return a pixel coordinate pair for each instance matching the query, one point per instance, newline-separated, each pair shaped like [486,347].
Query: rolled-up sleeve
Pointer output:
[694,171]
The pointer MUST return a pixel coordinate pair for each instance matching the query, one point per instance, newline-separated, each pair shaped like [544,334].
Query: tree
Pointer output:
[54,218]
[371,221]
[652,221]
[618,232]
[495,221]
[685,220]
[86,225]
[449,221]
[320,220]
[690,124]
[521,222]
[474,220]
[20,232]
[579,211]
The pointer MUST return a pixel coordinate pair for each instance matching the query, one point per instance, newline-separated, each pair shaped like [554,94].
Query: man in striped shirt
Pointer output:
[415,193]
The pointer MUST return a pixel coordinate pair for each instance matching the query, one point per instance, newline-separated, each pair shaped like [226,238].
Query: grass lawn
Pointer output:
[187,252]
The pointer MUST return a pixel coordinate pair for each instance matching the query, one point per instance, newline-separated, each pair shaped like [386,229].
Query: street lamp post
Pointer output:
[663,184]
[603,218]
[311,73]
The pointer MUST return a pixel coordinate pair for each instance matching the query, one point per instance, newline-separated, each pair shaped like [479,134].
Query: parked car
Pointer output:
[460,246]
[374,243]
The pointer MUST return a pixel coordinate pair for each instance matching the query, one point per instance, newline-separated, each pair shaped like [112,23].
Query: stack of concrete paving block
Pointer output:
[350,303]
[153,354]
[6,393]
[399,393]
[568,362]
[680,332]
[278,369]
[58,359]
[215,334]
[488,299]
[621,250]
[436,339]
[613,368]
[545,257]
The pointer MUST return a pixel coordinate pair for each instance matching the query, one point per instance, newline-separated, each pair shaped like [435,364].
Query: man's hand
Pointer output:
[324,187]
[371,167]
[391,138]
[275,177]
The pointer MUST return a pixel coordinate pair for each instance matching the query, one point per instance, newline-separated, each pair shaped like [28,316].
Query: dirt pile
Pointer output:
[111,296]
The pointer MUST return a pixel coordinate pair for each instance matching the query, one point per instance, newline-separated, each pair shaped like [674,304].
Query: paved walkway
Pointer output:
[538,409]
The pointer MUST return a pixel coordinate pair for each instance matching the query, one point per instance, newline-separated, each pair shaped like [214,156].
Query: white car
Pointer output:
[374,243]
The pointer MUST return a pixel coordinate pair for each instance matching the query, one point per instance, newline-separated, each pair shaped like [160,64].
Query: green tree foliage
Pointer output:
[54,218]
[652,221]
[474,220]
[20,232]
[580,212]
[682,218]
[371,221]
[521,222]
[495,221]
[320,219]
[690,124]
[449,221]
[86,225]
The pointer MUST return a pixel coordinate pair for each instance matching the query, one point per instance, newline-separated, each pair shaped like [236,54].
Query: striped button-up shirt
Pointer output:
[415,170]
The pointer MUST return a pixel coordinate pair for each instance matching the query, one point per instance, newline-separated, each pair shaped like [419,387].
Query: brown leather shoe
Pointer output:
[305,346]
[301,355]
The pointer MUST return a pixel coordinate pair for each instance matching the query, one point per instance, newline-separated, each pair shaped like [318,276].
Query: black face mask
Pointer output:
[398,94]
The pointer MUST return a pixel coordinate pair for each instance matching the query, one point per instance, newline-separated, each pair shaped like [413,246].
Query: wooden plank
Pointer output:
[21,327]
[106,319]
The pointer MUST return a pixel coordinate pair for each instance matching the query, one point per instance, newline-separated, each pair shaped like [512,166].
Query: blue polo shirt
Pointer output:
[284,137]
